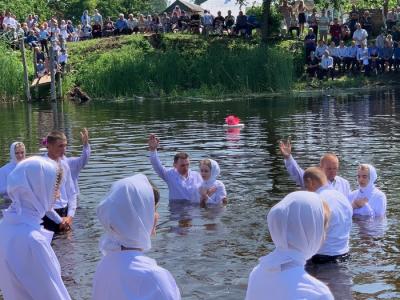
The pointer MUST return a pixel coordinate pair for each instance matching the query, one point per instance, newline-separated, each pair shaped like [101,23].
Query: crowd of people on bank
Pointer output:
[36,31]
[307,227]
[334,48]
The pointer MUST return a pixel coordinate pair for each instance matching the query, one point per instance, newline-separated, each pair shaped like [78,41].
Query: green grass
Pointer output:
[182,65]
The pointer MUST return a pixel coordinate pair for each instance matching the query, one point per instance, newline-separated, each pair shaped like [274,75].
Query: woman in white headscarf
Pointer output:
[367,200]
[17,154]
[129,217]
[212,191]
[29,268]
[296,225]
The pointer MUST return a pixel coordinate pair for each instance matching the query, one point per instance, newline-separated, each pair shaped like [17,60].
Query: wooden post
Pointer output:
[26,78]
[59,85]
[53,96]
[36,91]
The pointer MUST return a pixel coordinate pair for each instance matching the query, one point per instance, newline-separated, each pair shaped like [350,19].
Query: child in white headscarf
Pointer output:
[296,225]
[29,268]
[129,217]
[212,191]
[17,154]
[367,200]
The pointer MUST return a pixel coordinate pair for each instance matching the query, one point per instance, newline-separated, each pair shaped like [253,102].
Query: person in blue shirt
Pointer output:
[121,26]
[396,55]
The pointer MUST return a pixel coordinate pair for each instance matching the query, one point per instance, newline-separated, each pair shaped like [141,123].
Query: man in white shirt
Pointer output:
[329,164]
[326,66]
[360,35]
[335,247]
[341,52]
[183,184]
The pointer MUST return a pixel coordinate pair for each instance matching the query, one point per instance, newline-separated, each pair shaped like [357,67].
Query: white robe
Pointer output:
[376,205]
[130,275]
[29,269]
[127,215]
[296,225]
[220,194]
[338,232]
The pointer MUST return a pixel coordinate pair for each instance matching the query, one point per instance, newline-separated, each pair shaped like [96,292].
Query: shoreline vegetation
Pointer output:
[181,65]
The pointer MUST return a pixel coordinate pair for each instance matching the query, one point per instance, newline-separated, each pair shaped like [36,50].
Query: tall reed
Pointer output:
[132,70]
[11,74]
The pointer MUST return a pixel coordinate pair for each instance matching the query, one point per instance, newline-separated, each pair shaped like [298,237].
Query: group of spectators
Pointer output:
[334,48]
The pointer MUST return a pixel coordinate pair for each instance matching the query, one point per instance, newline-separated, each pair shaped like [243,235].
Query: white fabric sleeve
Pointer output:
[157,165]
[76,164]
[54,216]
[219,195]
[294,170]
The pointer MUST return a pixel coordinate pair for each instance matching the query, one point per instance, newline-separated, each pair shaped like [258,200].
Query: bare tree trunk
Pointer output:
[265,21]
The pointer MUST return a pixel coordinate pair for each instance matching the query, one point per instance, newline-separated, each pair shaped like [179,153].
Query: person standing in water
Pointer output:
[61,218]
[212,191]
[296,224]
[329,163]
[29,268]
[128,215]
[367,200]
[183,183]
[335,247]
[17,154]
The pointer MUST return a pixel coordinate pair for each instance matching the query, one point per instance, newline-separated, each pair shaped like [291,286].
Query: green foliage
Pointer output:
[11,72]
[22,8]
[274,20]
[187,63]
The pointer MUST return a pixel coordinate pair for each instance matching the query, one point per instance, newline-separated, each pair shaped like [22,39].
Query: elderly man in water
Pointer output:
[183,183]
[329,163]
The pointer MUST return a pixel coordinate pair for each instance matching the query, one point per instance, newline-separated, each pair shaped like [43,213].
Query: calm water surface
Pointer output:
[211,252]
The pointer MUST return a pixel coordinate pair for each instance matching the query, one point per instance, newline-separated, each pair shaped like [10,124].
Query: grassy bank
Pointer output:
[179,65]
[11,73]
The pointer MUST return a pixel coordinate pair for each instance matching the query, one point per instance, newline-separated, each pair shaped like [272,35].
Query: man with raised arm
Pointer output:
[335,247]
[329,164]
[183,184]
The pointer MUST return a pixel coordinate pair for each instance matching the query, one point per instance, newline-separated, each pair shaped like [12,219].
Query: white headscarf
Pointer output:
[296,225]
[12,152]
[214,173]
[127,214]
[31,187]
[367,191]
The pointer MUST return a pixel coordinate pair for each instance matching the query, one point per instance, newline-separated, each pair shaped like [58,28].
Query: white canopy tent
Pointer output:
[224,5]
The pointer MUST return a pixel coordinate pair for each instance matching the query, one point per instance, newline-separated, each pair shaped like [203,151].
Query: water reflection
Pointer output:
[211,251]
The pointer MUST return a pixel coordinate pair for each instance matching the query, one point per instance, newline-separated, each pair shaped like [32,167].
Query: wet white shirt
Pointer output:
[130,275]
[180,188]
[338,232]
[296,173]
[4,171]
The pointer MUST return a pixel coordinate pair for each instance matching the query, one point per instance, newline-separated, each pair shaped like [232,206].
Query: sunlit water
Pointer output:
[211,252]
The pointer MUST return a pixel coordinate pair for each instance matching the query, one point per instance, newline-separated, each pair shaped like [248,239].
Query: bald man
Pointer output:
[329,164]
[335,247]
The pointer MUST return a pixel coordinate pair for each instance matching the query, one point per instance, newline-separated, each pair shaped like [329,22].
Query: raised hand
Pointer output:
[85,136]
[154,142]
[286,148]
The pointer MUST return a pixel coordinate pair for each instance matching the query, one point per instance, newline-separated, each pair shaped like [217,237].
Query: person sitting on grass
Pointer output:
[333,52]
[108,27]
[241,23]
[326,66]
[229,21]
[121,27]
[351,57]
[312,65]
[386,57]
[341,56]
[363,58]
[373,53]
[320,50]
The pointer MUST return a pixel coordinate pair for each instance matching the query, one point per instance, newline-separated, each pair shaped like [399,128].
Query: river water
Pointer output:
[211,252]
